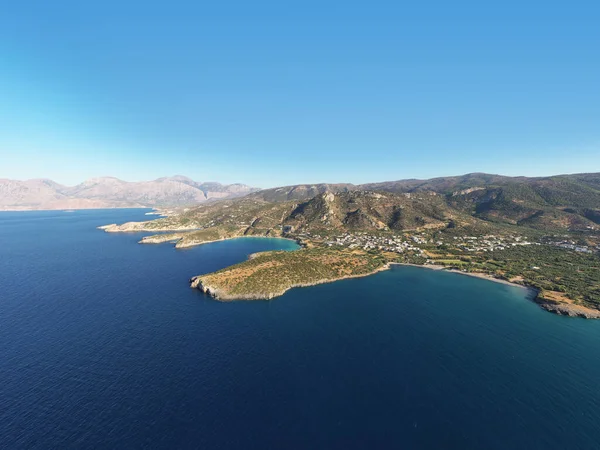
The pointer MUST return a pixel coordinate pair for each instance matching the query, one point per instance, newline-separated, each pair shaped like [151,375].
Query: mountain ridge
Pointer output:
[557,201]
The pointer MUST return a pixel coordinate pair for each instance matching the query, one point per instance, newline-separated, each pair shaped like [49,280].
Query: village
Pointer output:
[418,242]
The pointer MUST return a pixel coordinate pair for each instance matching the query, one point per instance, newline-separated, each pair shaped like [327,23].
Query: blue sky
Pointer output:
[271,93]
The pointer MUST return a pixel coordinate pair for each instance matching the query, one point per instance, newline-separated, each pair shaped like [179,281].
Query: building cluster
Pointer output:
[396,244]
[570,245]
[415,242]
[489,243]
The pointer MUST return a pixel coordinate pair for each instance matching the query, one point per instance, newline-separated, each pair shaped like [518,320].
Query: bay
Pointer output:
[104,345]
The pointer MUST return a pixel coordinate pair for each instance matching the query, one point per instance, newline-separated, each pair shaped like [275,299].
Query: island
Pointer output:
[347,233]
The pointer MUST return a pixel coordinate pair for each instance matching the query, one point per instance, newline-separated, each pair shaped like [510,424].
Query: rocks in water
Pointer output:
[564,309]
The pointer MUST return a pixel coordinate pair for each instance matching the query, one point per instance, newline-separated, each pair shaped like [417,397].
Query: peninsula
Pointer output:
[542,233]
[270,274]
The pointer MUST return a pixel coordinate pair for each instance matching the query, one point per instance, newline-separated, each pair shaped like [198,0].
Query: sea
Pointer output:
[104,345]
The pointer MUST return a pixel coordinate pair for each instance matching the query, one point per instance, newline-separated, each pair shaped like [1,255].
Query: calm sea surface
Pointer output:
[104,345]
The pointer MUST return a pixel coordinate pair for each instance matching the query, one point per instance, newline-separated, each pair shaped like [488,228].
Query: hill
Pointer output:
[556,202]
[559,202]
[566,203]
[563,202]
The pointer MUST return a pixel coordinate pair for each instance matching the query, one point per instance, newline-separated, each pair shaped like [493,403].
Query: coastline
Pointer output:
[565,308]
[156,239]
[196,283]
[535,295]
[132,227]
[73,209]
[560,308]
[480,275]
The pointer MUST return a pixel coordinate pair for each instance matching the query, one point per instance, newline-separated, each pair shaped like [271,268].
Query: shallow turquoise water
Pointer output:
[104,345]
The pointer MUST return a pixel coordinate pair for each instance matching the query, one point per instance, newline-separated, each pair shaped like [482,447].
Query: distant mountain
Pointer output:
[110,192]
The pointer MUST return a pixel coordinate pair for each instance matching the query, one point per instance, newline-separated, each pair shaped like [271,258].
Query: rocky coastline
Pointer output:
[180,240]
[182,237]
[561,308]
[143,226]
[552,306]
[566,309]
[220,295]
[197,282]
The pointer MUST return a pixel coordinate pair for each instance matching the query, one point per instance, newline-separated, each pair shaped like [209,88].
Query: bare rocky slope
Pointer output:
[109,192]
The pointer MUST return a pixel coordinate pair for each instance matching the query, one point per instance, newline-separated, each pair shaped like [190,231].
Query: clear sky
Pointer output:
[272,92]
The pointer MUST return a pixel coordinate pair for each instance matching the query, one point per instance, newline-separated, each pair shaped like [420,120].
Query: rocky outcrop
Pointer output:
[196,283]
[568,309]
[467,191]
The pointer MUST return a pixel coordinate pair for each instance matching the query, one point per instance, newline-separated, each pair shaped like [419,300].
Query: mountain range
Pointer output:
[110,192]
[554,202]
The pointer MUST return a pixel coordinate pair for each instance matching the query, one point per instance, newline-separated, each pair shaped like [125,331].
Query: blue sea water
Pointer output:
[104,345]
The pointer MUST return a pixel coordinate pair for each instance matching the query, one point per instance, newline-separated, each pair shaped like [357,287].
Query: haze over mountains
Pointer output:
[109,192]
